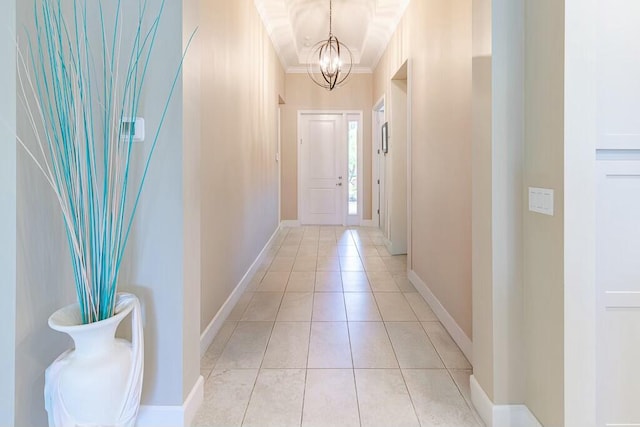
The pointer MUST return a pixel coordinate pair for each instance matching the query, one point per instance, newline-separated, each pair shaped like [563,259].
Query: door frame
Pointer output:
[409,64]
[581,134]
[343,114]
[378,108]
[398,111]
[279,161]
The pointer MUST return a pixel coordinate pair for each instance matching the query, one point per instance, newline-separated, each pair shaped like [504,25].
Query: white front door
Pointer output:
[322,153]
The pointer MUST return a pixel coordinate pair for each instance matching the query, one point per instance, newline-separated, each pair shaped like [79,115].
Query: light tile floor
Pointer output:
[331,333]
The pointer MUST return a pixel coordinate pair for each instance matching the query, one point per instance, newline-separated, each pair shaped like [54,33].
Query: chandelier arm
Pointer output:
[322,52]
[348,72]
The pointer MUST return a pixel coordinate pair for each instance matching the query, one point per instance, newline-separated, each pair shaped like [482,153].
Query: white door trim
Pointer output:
[375,166]
[358,220]
[344,114]
[409,170]
[580,133]
[279,161]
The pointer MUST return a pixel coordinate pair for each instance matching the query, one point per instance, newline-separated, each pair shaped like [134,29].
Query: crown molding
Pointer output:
[303,70]
[282,20]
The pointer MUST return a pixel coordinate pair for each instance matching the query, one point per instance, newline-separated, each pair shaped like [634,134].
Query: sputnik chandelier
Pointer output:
[329,62]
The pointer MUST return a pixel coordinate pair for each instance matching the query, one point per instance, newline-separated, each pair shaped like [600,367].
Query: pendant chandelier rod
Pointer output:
[330,18]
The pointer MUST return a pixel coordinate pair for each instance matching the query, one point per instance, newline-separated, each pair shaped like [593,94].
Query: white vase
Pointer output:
[98,383]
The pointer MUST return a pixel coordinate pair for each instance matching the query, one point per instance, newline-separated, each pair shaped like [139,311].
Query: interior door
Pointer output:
[322,162]
[618,286]
[618,214]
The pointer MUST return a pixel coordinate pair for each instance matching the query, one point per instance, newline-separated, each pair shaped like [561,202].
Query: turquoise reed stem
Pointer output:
[82,96]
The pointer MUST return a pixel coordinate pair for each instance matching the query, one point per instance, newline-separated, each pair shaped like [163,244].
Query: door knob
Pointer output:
[339,177]
[339,184]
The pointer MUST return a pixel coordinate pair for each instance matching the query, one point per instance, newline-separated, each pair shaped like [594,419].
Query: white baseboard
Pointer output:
[456,332]
[209,334]
[500,415]
[482,403]
[289,223]
[173,416]
[528,419]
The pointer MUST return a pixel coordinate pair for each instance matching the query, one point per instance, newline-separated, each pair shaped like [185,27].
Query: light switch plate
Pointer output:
[132,127]
[541,200]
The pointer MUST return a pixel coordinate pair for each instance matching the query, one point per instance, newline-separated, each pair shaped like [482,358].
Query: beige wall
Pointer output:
[436,36]
[303,94]
[518,255]
[191,172]
[482,174]
[544,235]
[240,84]
[498,153]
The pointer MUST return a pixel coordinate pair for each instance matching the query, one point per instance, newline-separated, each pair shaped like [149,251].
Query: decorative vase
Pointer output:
[99,382]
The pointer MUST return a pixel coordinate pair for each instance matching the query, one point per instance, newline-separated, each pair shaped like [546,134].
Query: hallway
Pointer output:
[331,333]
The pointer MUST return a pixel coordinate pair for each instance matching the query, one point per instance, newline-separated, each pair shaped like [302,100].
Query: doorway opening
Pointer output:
[377,162]
[394,166]
[330,190]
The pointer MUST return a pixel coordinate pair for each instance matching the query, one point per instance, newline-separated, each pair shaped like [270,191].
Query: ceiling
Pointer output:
[365,26]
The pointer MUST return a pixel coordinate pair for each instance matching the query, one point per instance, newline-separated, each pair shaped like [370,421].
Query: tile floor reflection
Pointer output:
[331,333]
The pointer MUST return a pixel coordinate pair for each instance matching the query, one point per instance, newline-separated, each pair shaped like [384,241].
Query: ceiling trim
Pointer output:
[368,33]
[388,34]
[269,27]
[354,70]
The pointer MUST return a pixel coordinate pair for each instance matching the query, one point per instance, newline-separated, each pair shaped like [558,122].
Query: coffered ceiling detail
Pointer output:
[365,26]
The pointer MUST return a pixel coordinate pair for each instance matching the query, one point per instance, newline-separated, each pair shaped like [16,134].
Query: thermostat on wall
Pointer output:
[132,127]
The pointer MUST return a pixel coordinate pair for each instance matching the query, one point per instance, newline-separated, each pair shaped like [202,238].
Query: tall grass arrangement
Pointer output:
[78,84]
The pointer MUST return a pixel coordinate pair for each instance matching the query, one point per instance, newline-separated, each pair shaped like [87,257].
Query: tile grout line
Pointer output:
[306,370]
[413,405]
[353,364]
[300,239]
[395,354]
[246,408]
[433,345]
[304,388]
[255,381]
[471,409]
[222,351]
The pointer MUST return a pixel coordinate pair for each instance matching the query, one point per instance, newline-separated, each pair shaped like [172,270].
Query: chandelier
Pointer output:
[329,62]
